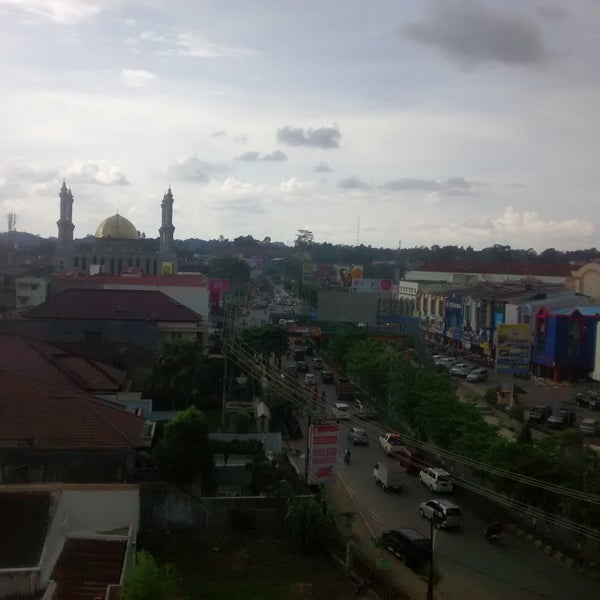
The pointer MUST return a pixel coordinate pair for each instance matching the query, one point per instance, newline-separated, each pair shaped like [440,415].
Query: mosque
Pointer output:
[117,246]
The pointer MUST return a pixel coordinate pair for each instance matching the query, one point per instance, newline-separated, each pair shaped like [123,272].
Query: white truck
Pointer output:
[388,476]
[390,442]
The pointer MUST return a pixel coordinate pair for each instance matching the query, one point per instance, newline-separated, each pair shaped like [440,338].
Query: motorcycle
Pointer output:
[492,533]
[347,456]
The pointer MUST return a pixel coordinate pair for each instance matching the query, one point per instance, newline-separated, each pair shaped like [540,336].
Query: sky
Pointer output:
[384,123]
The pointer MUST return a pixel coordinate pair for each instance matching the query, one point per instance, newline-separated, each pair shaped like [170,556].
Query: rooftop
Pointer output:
[123,305]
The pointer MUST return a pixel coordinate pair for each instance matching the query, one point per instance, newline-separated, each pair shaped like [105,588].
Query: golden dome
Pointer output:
[117,227]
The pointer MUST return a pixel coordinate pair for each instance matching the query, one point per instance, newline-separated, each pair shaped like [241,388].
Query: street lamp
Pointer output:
[436,519]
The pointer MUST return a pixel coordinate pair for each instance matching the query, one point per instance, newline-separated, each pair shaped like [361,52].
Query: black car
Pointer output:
[408,545]
[539,414]
[563,418]
[589,400]
[302,366]
[327,376]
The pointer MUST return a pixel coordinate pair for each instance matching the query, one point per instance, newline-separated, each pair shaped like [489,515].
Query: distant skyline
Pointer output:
[462,122]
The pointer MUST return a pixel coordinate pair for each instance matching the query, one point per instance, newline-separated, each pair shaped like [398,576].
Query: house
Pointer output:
[95,316]
[69,541]
[31,291]
[53,433]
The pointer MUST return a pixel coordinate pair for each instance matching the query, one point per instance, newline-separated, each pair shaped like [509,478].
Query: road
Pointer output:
[470,566]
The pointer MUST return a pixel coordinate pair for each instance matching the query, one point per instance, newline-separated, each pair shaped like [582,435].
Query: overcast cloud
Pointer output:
[469,122]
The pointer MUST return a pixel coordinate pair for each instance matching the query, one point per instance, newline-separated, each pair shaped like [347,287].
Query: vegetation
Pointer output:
[149,580]
[183,376]
[184,453]
[266,340]
[307,520]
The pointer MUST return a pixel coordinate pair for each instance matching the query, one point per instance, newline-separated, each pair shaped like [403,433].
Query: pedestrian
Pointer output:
[225,457]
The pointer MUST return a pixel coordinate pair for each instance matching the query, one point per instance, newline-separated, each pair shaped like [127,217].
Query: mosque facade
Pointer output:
[117,246]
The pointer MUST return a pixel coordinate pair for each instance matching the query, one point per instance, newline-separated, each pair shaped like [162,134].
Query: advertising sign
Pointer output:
[357,272]
[323,440]
[379,286]
[344,275]
[219,285]
[513,349]
[308,274]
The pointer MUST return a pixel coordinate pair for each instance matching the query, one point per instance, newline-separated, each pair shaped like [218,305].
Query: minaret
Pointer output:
[166,231]
[65,221]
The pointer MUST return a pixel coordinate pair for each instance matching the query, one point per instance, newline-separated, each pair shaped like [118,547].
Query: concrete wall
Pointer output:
[166,508]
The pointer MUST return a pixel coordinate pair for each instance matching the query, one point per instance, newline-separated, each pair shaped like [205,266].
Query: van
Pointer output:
[408,544]
[341,410]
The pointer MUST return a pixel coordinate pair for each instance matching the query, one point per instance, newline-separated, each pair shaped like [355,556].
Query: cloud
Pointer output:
[63,12]
[322,168]
[295,186]
[452,185]
[136,78]
[196,46]
[354,183]
[16,168]
[251,156]
[220,133]
[191,168]
[530,223]
[152,36]
[275,156]
[475,35]
[96,172]
[321,137]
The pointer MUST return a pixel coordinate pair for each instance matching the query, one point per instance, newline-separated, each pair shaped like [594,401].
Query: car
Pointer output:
[327,376]
[590,426]
[317,363]
[408,544]
[461,369]
[358,436]
[445,514]
[310,379]
[563,418]
[589,400]
[477,375]
[437,480]
[341,410]
[447,361]
[540,413]
[409,458]
[301,366]
[362,410]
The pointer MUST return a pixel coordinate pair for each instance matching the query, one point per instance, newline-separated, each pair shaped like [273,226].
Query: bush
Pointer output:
[149,580]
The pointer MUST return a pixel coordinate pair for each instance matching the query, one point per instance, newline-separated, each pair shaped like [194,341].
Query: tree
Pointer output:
[184,454]
[235,270]
[181,375]
[306,521]
[266,340]
[149,580]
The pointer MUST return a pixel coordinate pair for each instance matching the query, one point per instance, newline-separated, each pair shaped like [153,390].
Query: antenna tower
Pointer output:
[12,221]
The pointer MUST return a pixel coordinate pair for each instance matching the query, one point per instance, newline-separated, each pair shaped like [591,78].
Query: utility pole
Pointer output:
[435,519]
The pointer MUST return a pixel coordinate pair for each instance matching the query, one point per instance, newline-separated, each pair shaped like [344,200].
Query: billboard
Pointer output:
[356,272]
[323,441]
[379,286]
[308,274]
[513,349]
[344,275]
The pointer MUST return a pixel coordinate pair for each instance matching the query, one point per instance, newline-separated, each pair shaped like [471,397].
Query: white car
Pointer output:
[341,410]
[310,379]
[437,480]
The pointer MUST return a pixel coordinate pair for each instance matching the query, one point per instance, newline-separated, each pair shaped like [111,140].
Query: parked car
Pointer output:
[589,400]
[358,436]
[477,375]
[540,413]
[327,376]
[437,480]
[408,544]
[563,418]
[461,369]
[317,363]
[445,514]
[590,427]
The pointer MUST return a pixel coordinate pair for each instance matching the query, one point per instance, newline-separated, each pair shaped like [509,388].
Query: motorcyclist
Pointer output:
[493,529]
[347,456]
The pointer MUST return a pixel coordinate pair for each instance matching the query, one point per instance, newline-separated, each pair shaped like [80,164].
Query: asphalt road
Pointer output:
[470,566]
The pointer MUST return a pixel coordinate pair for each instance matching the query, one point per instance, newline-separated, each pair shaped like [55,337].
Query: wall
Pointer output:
[347,307]
[166,508]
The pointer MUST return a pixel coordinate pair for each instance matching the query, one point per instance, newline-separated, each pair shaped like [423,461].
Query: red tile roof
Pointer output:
[113,305]
[85,568]
[25,356]
[514,268]
[192,280]
[48,416]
